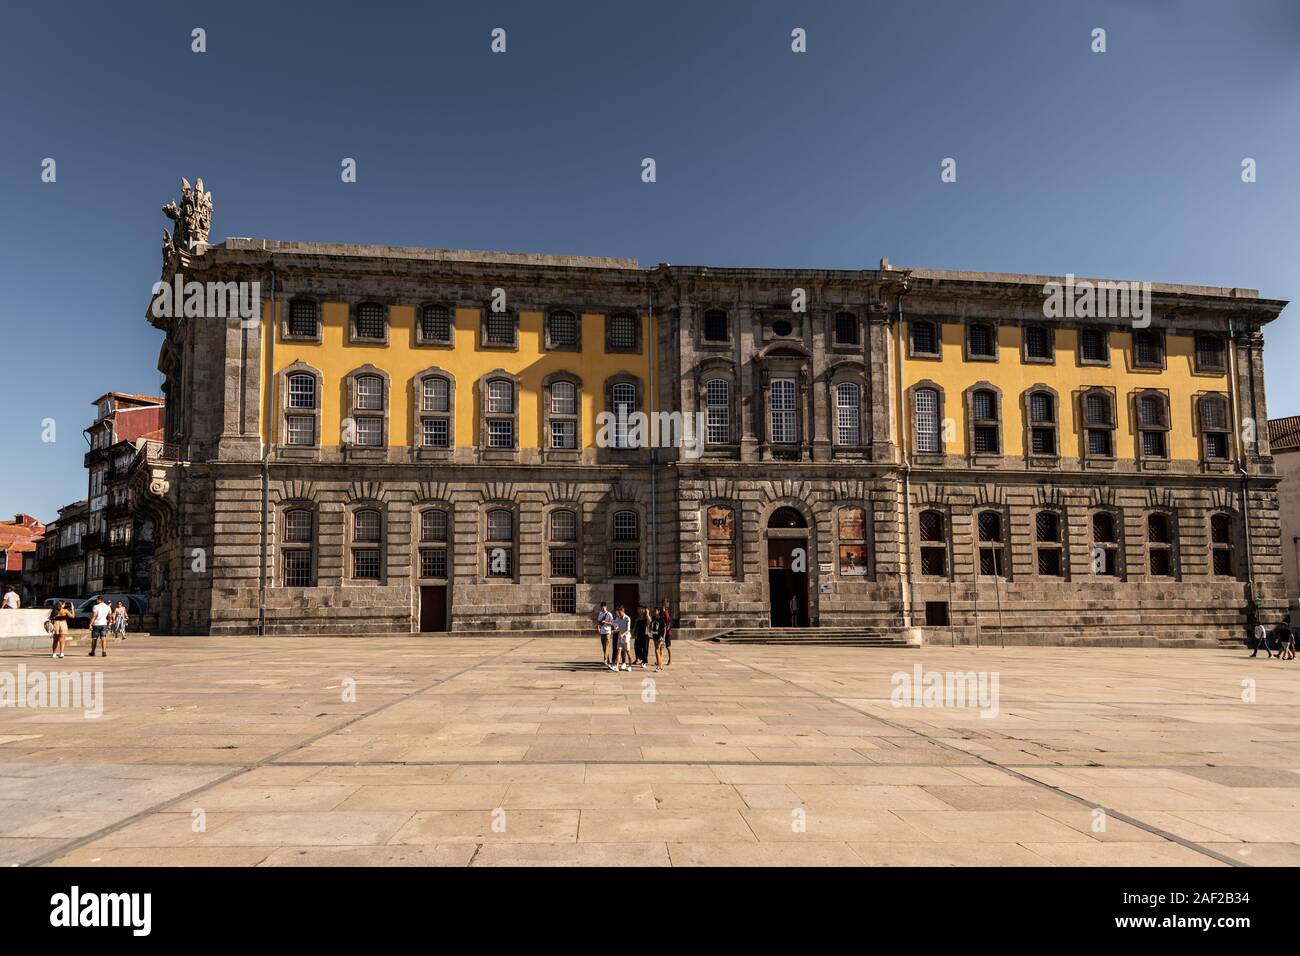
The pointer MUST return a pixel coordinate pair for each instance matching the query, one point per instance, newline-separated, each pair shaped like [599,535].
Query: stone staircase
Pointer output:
[813,636]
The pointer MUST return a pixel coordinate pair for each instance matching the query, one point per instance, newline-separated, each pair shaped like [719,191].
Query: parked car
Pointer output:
[135,607]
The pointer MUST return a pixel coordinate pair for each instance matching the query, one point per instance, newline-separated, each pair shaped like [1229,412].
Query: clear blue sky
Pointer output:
[1122,164]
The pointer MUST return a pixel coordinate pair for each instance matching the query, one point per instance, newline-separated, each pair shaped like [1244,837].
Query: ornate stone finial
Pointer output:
[193,220]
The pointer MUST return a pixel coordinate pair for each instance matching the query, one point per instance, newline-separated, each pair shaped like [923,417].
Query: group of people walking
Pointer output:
[625,641]
[103,619]
[1281,639]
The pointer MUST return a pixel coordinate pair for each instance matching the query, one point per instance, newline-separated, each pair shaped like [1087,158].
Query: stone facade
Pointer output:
[804,507]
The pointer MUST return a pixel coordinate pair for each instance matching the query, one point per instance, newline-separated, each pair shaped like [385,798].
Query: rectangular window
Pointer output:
[1099,442]
[433,562]
[1161,562]
[365,564]
[564,599]
[627,562]
[436,432]
[1216,445]
[501,433]
[846,328]
[923,339]
[1093,346]
[1049,562]
[302,319]
[623,332]
[501,561]
[564,434]
[926,424]
[986,439]
[435,324]
[1043,441]
[934,561]
[370,321]
[715,326]
[297,568]
[784,429]
[1153,445]
[1223,562]
[1209,354]
[564,563]
[302,430]
[1038,342]
[370,432]
[981,341]
[501,328]
[564,330]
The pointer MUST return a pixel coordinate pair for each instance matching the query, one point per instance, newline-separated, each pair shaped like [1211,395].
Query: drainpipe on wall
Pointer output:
[906,584]
[654,458]
[1235,403]
[268,421]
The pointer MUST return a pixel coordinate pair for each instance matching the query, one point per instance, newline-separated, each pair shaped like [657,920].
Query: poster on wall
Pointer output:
[853,559]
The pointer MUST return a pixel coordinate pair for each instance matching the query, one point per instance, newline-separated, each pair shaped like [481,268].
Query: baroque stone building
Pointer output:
[400,440]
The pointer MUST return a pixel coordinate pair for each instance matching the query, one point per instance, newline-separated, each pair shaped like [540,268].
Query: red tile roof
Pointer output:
[1284,433]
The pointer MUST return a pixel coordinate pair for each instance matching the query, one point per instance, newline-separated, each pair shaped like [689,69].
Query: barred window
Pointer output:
[433,525]
[564,599]
[302,429]
[564,563]
[1042,421]
[433,562]
[1153,424]
[303,318]
[627,526]
[562,330]
[782,398]
[846,328]
[1148,349]
[1214,427]
[564,526]
[1093,346]
[370,393]
[365,564]
[500,537]
[981,340]
[991,551]
[302,390]
[563,399]
[435,323]
[848,416]
[500,328]
[1159,545]
[297,568]
[934,545]
[986,428]
[627,563]
[1221,545]
[1210,354]
[925,421]
[715,326]
[1038,342]
[623,331]
[1105,545]
[623,396]
[924,338]
[717,402]
[437,394]
[371,320]
[1099,419]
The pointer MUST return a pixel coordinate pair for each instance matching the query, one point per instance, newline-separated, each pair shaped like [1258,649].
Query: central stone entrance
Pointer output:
[787,568]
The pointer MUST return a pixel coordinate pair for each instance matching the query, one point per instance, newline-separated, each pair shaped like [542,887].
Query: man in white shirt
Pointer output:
[622,641]
[11,602]
[1261,640]
[99,626]
[605,626]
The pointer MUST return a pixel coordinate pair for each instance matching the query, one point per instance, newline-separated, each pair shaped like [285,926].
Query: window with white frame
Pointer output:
[297,541]
[925,420]
[500,556]
[848,415]
[501,414]
[717,405]
[623,398]
[784,407]
[367,542]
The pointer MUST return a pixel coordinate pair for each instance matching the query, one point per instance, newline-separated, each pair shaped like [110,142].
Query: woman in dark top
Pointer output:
[641,636]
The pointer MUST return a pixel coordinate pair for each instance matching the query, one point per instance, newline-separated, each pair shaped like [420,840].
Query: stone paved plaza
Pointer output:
[524,751]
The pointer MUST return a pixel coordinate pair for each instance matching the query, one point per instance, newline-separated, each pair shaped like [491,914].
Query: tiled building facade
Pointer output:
[410,441]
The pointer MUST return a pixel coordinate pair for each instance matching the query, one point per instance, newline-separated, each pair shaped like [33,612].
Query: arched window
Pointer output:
[435,412]
[851,530]
[1160,540]
[787,517]
[1105,544]
[1048,544]
[500,413]
[1042,423]
[1214,427]
[717,403]
[925,420]
[986,424]
[932,531]
[992,546]
[370,393]
[1221,545]
[500,557]
[433,543]
[367,544]
[1153,425]
[720,537]
[370,322]
[626,556]
[1099,423]
[301,428]
[924,337]
[848,414]
[297,547]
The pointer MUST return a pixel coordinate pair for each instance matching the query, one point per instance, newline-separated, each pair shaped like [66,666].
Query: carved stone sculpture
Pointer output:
[192,218]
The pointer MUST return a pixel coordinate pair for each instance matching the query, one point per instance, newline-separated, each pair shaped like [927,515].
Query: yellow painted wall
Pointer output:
[1067,377]
[468,361]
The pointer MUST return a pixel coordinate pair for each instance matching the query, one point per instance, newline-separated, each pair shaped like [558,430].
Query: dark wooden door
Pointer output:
[433,607]
[628,595]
